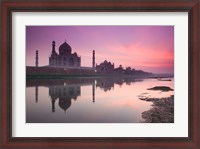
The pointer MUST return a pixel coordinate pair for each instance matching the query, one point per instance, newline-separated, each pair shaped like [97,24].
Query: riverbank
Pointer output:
[162,110]
[64,76]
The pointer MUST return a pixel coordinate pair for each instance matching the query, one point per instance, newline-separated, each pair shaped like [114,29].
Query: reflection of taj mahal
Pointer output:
[65,91]
[65,94]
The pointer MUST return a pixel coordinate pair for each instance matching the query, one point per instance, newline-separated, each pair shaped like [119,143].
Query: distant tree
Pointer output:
[133,69]
[128,68]
[128,71]
[119,69]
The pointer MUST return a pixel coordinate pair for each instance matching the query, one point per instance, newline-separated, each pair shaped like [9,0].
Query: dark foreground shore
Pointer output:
[162,110]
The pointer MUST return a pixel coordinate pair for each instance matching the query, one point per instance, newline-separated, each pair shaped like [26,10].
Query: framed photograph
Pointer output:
[100,74]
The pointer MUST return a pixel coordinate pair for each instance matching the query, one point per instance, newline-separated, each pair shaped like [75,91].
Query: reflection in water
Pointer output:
[66,92]
[105,84]
[36,93]
[93,92]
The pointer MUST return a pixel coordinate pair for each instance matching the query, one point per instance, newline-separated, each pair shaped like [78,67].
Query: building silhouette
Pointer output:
[65,62]
[65,58]
[93,59]
[105,67]
[36,59]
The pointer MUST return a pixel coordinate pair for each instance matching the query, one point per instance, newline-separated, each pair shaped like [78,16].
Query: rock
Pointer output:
[162,110]
[161,88]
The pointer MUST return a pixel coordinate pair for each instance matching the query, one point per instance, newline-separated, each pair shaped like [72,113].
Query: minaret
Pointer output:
[93,59]
[36,94]
[53,105]
[36,59]
[53,47]
[93,92]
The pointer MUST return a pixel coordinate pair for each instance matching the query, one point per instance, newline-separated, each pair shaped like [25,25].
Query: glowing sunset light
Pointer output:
[148,48]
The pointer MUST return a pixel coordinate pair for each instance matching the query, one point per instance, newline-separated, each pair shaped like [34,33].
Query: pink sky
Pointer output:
[149,48]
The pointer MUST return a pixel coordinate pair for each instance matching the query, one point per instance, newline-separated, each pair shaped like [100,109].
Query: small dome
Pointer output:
[75,54]
[65,49]
[64,103]
[105,61]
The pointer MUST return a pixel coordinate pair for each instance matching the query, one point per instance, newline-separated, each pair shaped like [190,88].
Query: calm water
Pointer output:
[90,100]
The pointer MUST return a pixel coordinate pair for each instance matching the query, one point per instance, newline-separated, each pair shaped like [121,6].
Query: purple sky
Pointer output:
[150,48]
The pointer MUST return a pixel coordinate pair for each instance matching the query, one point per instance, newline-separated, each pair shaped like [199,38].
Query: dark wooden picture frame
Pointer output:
[9,6]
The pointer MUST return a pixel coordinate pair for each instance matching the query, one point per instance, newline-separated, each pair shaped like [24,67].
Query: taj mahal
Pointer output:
[64,61]
[65,58]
